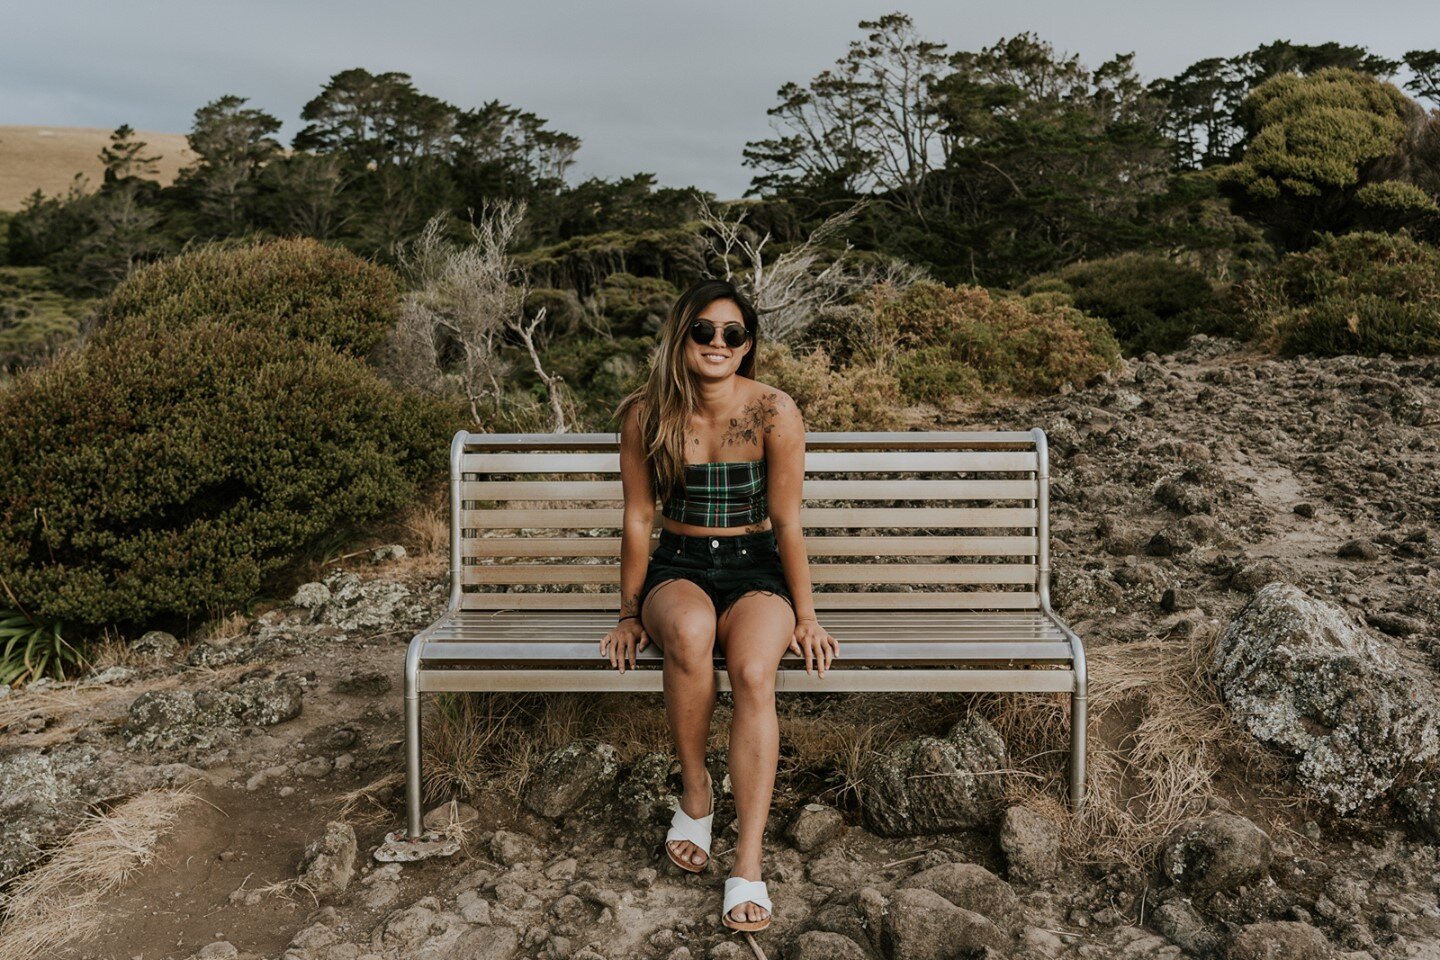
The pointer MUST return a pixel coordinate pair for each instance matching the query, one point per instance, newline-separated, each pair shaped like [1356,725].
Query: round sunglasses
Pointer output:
[703,331]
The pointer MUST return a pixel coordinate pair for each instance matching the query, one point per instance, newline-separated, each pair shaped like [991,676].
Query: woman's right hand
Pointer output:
[624,641]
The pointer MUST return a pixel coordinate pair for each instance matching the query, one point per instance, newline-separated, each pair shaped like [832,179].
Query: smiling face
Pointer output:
[717,360]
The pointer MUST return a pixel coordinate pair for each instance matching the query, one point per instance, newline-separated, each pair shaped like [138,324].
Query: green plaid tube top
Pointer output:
[725,493]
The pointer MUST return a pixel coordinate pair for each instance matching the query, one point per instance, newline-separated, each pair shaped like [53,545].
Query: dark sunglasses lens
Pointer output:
[703,331]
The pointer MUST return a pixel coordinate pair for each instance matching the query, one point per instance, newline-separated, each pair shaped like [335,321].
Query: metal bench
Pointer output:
[959,600]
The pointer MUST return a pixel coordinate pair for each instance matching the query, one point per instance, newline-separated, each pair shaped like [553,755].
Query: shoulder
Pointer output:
[776,406]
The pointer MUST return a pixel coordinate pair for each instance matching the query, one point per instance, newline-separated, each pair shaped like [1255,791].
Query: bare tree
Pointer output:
[464,298]
[789,289]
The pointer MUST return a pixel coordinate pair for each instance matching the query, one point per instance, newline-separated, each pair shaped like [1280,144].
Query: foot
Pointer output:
[748,912]
[695,803]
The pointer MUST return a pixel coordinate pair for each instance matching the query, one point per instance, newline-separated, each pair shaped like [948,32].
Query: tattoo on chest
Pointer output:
[754,419]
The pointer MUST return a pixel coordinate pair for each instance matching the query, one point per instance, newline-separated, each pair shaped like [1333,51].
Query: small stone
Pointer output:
[1031,844]
[645,878]
[315,768]
[510,848]
[814,826]
[1359,549]
[219,950]
[1306,510]
[447,813]
[328,864]
[156,643]
[1216,853]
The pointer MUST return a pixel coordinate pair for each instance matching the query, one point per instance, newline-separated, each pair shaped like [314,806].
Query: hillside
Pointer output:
[49,158]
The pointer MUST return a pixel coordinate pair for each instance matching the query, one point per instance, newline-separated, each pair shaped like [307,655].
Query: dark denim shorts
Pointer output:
[725,567]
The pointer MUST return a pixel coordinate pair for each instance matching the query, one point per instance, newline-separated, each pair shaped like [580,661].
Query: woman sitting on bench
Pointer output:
[730,568]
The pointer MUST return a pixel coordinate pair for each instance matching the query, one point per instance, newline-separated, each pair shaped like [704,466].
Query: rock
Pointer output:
[818,945]
[1251,575]
[1280,940]
[488,943]
[1358,549]
[357,606]
[315,768]
[928,785]
[569,776]
[814,826]
[1301,676]
[1031,844]
[1216,853]
[166,719]
[444,815]
[390,551]
[922,925]
[972,887]
[510,848]
[156,643]
[1175,598]
[644,790]
[1178,920]
[1422,803]
[109,676]
[219,950]
[311,595]
[328,863]
[473,908]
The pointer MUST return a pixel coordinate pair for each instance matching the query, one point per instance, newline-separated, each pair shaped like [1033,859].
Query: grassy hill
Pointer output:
[49,157]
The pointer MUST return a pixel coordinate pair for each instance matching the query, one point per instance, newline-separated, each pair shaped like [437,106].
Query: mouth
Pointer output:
[715,357]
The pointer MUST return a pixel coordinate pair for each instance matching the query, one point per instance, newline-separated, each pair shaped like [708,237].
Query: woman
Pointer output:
[730,567]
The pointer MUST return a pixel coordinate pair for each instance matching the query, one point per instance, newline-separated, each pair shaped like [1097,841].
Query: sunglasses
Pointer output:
[703,331]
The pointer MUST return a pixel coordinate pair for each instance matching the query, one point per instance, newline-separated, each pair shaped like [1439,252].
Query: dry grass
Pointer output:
[58,902]
[46,158]
[1159,740]
[1161,746]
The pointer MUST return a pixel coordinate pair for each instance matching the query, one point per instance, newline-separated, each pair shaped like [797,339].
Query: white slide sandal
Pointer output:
[697,831]
[738,890]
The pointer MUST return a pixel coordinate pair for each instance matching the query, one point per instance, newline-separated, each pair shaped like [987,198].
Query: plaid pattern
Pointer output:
[726,493]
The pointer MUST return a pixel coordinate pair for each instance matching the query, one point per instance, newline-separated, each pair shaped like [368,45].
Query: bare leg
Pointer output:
[754,633]
[680,618]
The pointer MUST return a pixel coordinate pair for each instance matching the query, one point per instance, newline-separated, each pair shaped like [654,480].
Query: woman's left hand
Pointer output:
[813,643]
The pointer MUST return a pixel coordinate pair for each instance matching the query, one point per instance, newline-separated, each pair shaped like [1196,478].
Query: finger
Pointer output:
[809,657]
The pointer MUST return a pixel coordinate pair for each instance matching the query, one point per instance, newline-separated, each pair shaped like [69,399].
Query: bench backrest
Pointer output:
[924,519]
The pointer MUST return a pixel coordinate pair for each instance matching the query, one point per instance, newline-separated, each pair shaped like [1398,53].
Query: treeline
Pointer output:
[989,166]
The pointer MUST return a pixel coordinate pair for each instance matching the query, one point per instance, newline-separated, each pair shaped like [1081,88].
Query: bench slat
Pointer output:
[852,653]
[571,490]
[650,679]
[609,573]
[835,517]
[874,626]
[609,600]
[823,440]
[937,546]
[868,461]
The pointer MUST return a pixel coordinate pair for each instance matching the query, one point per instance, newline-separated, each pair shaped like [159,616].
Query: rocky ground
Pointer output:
[1292,506]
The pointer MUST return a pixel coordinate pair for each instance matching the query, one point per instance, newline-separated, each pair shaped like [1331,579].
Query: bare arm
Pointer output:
[639,517]
[785,470]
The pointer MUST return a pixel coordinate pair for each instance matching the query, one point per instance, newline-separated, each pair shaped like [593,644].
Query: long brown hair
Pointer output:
[669,392]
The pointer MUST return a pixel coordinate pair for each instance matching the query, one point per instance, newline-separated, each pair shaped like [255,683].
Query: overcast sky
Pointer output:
[672,88]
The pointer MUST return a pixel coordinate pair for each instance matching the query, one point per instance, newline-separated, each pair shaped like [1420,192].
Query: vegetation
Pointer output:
[1361,293]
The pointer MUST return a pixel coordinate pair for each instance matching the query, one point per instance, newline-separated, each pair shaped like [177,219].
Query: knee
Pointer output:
[752,679]
[691,648]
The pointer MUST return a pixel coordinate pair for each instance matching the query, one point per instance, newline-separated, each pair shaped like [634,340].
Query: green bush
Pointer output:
[35,318]
[297,287]
[933,375]
[1011,344]
[844,398]
[1151,303]
[168,473]
[1359,293]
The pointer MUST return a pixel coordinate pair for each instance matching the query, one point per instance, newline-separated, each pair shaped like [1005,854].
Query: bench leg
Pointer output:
[412,752]
[1077,745]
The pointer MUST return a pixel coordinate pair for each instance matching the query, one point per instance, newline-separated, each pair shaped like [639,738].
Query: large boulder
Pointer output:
[930,784]
[569,776]
[1301,676]
[972,887]
[922,925]
[1216,853]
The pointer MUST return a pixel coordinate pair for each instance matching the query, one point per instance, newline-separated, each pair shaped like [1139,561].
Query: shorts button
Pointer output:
[714,543]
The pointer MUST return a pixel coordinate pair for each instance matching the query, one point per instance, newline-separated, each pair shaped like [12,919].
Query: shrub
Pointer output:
[848,398]
[166,474]
[1360,293]
[297,287]
[1151,303]
[36,320]
[1011,344]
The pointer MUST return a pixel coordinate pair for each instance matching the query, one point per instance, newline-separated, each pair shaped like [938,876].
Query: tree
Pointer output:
[873,125]
[232,143]
[122,158]
[1326,153]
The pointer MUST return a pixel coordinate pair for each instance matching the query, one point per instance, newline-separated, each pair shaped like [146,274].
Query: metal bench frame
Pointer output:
[476,643]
